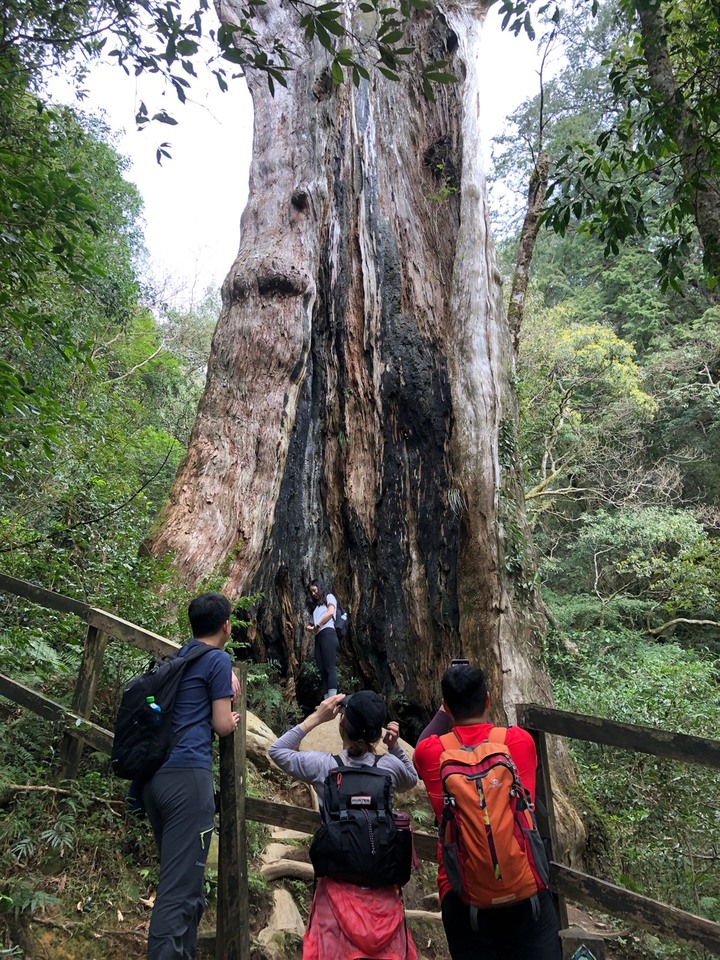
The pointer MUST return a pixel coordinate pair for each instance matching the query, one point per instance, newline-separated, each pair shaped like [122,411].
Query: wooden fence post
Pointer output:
[83,699]
[232,939]
[545,815]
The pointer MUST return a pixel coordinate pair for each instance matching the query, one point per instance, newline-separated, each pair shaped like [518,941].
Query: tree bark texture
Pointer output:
[537,190]
[359,422]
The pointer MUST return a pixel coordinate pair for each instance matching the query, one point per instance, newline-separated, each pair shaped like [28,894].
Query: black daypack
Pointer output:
[359,841]
[143,730]
[342,621]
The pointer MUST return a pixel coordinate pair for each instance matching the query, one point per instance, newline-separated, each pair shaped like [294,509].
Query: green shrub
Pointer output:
[661,815]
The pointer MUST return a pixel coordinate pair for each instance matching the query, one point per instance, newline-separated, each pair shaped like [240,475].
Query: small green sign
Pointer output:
[582,953]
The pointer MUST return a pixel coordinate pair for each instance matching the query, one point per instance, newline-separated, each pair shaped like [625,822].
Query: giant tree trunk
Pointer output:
[359,422]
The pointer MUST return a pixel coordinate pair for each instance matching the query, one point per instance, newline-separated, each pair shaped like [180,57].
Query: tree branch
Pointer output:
[537,189]
[656,631]
[60,791]
[132,370]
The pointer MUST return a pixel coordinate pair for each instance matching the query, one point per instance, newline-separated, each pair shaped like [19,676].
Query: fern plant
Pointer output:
[19,898]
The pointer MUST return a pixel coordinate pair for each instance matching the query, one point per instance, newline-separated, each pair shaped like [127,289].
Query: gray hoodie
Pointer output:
[313,766]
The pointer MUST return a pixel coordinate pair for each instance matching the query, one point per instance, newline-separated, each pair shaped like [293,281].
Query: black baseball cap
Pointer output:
[365,715]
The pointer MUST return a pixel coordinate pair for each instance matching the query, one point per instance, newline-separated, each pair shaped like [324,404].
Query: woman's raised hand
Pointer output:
[327,710]
[392,732]
[330,707]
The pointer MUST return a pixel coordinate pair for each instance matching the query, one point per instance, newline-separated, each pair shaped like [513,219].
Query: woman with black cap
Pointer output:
[348,921]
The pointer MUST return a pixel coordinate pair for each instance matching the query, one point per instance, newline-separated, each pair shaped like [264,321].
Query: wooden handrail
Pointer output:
[93,616]
[43,597]
[232,940]
[97,737]
[651,915]
[626,736]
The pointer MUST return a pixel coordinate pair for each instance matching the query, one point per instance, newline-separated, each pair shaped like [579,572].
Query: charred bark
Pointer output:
[358,421]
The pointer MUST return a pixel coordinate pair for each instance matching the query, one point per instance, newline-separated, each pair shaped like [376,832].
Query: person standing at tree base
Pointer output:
[323,606]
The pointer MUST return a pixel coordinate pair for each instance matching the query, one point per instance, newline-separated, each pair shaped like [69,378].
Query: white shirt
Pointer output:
[321,610]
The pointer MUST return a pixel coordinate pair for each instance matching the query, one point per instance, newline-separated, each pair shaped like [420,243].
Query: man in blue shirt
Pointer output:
[180,798]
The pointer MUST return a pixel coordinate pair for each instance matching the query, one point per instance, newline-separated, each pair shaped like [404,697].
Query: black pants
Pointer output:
[181,808]
[506,933]
[326,648]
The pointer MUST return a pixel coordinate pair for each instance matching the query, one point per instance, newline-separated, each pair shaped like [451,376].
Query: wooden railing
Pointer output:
[232,935]
[231,939]
[643,912]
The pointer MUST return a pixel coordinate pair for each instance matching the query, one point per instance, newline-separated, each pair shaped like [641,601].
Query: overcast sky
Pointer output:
[193,202]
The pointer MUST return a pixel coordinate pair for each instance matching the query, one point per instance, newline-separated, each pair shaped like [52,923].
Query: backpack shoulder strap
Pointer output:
[195,654]
[356,766]
[450,740]
[497,735]
[199,650]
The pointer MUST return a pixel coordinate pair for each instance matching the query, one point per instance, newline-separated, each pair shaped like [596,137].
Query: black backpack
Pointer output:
[359,841]
[143,733]
[342,621]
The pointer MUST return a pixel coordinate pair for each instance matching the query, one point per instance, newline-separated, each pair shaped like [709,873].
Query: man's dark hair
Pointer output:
[464,691]
[207,613]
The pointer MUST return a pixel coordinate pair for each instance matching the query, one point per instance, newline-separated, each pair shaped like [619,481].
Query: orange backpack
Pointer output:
[491,849]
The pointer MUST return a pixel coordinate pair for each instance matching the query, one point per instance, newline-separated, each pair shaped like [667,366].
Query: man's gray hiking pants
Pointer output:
[181,806]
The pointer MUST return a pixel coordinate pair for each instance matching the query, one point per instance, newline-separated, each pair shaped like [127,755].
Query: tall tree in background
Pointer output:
[661,133]
[618,376]
[358,419]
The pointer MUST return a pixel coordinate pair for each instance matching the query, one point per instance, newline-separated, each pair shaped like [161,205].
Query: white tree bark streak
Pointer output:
[477,356]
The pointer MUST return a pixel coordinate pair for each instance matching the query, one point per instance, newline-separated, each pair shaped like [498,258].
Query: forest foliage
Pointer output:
[650,166]
[619,390]
[618,379]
